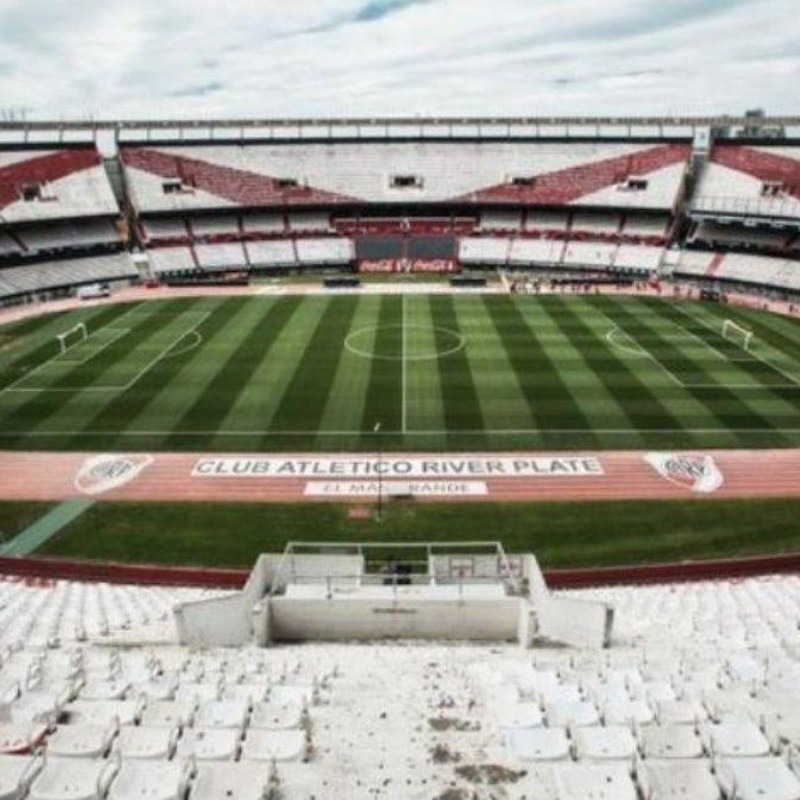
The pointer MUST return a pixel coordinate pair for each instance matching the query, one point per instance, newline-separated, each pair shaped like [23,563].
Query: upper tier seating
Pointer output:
[164,228]
[174,177]
[214,225]
[751,180]
[546,221]
[596,223]
[93,680]
[40,277]
[58,183]
[310,222]
[645,226]
[263,223]
[501,221]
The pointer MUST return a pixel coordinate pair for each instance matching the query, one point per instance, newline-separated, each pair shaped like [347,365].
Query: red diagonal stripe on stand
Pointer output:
[570,184]
[237,185]
[43,169]
[761,165]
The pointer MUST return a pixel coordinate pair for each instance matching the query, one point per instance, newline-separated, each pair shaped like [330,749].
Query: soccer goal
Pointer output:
[737,334]
[71,337]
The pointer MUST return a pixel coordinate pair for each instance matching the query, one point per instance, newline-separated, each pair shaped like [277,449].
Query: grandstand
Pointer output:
[345,666]
[577,195]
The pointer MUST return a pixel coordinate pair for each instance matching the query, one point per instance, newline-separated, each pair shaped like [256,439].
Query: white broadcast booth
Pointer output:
[350,592]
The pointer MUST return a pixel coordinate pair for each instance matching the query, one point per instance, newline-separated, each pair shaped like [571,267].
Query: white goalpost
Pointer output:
[737,334]
[71,337]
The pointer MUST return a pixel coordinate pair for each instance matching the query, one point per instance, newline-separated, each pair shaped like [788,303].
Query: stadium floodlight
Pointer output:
[69,338]
[737,334]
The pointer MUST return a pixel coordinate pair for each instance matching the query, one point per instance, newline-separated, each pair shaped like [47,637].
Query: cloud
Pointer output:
[271,58]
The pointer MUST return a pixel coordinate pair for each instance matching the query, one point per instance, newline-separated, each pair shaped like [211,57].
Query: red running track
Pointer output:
[168,477]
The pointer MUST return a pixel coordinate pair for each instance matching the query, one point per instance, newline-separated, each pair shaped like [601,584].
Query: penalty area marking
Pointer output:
[164,353]
[637,350]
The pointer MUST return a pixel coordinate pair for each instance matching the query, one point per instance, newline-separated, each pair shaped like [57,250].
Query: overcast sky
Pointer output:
[278,58]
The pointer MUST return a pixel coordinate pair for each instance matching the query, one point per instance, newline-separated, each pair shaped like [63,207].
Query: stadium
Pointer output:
[442,458]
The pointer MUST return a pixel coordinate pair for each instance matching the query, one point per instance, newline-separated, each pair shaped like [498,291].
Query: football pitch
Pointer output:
[412,372]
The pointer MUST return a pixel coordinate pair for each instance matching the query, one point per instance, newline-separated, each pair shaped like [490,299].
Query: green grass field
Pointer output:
[561,534]
[440,372]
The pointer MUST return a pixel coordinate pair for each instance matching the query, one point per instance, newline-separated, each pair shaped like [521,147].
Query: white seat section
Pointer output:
[688,779]
[736,736]
[266,745]
[81,741]
[304,694]
[603,742]
[231,781]
[218,744]
[195,693]
[154,780]
[670,741]
[146,742]
[104,690]
[73,779]
[537,744]
[16,774]
[275,253]
[276,716]
[222,714]
[757,779]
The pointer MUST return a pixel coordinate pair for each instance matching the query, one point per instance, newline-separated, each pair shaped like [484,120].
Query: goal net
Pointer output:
[737,334]
[71,337]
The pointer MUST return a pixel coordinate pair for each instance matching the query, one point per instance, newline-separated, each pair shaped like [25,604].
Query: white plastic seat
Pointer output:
[736,736]
[212,744]
[146,742]
[80,741]
[104,712]
[160,688]
[571,712]
[154,780]
[246,692]
[766,778]
[196,693]
[73,779]
[687,779]
[627,712]
[681,712]
[670,741]
[600,743]
[274,716]
[17,738]
[104,690]
[16,774]
[43,707]
[229,781]
[537,744]
[265,745]
[304,694]
[519,715]
[607,781]
[222,714]
[168,714]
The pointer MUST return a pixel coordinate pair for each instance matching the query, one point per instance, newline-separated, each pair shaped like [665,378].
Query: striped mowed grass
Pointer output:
[438,372]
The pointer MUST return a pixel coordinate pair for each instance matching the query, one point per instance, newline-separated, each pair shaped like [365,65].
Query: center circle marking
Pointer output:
[455,342]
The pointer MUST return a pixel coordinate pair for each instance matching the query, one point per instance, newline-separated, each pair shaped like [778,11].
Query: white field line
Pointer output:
[404,369]
[142,372]
[417,433]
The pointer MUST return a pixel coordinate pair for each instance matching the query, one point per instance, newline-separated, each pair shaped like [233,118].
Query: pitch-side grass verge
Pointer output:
[561,534]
